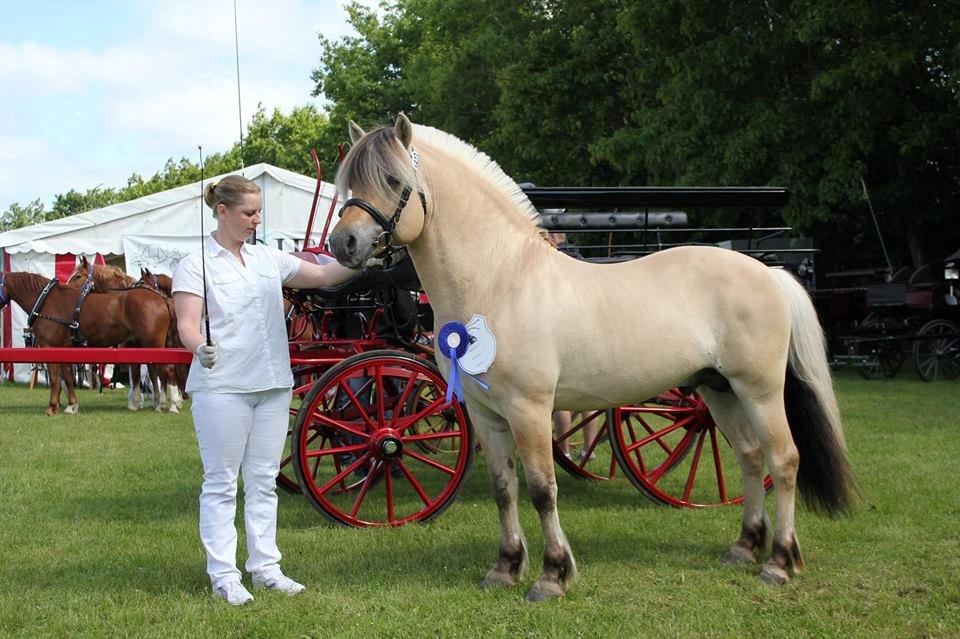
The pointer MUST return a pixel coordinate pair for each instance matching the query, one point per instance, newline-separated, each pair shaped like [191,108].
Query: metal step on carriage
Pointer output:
[373,440]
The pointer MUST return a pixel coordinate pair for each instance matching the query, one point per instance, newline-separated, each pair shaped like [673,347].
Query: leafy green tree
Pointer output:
[17,215]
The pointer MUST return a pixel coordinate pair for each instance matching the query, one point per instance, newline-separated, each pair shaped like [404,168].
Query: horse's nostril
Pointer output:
[351,244]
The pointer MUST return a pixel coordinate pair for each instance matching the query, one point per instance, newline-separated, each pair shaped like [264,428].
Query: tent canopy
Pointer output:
[287,197]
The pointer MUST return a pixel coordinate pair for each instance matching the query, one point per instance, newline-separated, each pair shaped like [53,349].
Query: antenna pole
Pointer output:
[876,225]
[236,47]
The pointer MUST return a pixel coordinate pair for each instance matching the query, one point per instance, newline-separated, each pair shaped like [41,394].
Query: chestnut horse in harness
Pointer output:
[107,279]
[61,315]
[745,335]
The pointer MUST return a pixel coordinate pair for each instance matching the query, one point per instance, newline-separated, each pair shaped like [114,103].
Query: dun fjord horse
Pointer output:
[105,319]
[112,279]
[746,336]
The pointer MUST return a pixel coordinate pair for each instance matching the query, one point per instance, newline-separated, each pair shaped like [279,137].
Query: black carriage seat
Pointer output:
[901,275]
[401,275]
[920,286]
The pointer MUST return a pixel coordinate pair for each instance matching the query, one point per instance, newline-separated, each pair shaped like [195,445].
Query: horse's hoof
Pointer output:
[174,409]
[544,590]
[71,409]
[497,580]
[132,407]
[738,555]
[774,575]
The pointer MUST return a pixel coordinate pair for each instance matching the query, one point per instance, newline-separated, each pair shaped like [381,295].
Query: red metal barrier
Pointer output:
[66,355]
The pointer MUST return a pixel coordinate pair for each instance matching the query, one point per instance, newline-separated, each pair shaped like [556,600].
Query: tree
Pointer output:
[17,216]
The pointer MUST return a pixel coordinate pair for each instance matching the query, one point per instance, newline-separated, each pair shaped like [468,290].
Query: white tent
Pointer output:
[155,231]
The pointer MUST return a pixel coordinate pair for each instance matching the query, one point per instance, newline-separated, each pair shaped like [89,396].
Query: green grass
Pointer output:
[98,538]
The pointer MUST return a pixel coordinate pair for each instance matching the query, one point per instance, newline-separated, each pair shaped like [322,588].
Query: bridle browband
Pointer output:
[384,241]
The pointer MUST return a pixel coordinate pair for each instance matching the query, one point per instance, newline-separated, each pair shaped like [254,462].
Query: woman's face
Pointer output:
[238,223]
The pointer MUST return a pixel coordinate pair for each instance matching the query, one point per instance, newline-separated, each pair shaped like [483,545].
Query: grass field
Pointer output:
[98,538]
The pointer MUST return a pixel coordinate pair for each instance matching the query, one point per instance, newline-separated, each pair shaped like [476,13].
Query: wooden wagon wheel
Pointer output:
[360,443]
[883,359]
[937,352]
[671,449]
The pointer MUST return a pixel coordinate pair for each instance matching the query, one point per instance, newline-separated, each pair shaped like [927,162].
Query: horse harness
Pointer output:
[76,335]
[384,241]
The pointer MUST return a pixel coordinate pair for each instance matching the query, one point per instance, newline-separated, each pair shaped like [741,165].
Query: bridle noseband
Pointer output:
[384,241]
[4,300]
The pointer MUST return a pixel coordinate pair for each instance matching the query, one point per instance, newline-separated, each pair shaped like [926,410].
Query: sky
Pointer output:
[94,91]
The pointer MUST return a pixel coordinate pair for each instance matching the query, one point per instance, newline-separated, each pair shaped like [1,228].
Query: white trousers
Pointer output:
[240,432]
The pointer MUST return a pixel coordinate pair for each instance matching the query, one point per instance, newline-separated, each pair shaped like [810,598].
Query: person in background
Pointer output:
[240,381]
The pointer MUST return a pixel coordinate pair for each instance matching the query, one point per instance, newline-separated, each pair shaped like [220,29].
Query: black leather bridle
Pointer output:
[384,241]
[4,300]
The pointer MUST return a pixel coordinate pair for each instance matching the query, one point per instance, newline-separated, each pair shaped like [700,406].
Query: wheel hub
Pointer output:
[387,444]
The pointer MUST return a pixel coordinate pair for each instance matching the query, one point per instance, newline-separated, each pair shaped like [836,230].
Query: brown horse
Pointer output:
[110,278]
[104,319]
[156,281]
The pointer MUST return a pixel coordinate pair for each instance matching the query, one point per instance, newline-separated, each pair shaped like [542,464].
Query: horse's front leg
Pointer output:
[54,406]
[67,373]
[532,426]
[499,448]
[134,395]
[154,376]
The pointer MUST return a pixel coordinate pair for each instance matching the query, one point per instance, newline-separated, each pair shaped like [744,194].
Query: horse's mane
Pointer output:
[378,157]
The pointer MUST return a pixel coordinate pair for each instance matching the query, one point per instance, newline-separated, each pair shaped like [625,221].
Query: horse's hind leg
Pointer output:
[533,429]
[54,372]
[153,374]
[755,527]
[767,415]
[499,447]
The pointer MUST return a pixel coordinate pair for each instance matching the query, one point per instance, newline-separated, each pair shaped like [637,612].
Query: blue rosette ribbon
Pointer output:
[453,342]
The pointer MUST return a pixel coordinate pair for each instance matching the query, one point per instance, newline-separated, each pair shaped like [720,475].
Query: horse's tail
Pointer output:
[824,478]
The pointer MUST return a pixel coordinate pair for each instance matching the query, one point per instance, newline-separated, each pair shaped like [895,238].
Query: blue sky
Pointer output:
[91,92]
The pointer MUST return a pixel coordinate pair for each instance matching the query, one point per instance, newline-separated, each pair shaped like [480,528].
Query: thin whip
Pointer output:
[203,251]
[876,225]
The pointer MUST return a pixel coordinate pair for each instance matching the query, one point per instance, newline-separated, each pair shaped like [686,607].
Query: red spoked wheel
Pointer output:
[590,456]
[377,444]
[671,449]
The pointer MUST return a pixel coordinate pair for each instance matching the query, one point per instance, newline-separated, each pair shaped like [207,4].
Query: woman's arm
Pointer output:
[319,275]
[189,308]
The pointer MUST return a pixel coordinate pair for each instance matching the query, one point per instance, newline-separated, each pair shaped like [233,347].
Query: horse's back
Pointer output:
[665,317]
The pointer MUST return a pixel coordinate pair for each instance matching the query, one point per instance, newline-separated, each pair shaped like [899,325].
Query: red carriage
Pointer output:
[373,440]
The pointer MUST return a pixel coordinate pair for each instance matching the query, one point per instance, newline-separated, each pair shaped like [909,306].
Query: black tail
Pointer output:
[825,479]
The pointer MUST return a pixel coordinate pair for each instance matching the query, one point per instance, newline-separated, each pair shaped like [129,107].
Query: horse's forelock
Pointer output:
[376,157]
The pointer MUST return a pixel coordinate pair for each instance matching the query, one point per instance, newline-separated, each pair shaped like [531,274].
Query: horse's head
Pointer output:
[380,172]
[80,274]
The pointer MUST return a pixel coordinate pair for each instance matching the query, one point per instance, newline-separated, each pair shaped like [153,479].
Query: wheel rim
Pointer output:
[937,353]
[367,454]
[591,459]
[671,449]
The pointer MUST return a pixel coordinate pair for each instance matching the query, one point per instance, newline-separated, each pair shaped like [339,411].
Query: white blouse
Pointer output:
[245,305]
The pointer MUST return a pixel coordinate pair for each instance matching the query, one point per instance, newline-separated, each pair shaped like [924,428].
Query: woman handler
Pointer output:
[241,384]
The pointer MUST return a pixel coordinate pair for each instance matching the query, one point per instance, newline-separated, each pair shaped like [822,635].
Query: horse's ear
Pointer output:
[83,262]
[403,130]
[355,132]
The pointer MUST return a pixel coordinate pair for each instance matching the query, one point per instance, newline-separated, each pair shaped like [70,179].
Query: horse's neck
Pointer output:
[26,293]
[469,256]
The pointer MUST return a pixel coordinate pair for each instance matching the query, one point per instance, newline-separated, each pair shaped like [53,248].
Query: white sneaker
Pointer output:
[233,593]
[278,582]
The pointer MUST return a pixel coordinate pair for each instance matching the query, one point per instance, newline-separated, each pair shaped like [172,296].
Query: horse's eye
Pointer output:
[392,181]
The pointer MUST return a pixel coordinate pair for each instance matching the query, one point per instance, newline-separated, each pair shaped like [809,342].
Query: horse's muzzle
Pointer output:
[348,248]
